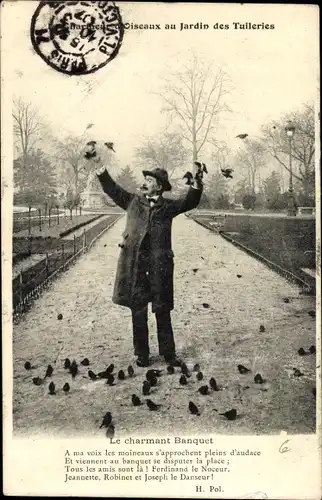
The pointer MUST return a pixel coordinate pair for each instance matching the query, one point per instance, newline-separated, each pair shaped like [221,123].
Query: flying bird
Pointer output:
[152,406]
[67,363]
[184,370]
[242,369]
[51,388]
[230,414]
[239,276]
[193,408]
[27,365]
[227,172]
[130,371]
[241,136]
[195,269]
[49,371]
[66,388]
[90,125]
[204,390]
[92,375]
[110,145]
[107,420]
[136,401]
[85,362]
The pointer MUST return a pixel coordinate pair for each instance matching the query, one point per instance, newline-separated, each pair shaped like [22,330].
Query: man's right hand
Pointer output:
[100,170]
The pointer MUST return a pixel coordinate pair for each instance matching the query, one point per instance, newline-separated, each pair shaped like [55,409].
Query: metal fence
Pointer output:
[29,284]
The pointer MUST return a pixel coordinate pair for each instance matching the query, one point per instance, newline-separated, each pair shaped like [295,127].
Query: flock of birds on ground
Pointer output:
[151,380]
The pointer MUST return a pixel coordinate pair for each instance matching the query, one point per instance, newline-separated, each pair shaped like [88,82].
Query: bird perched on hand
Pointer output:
[49,371]
[27,365]
[230,414]
[183,380]
[67,363]
[199,376]
[188,175]
[52,388]
[204,390]
[121,375]
[201,169]
[136,401]
[227,172]
[242,369]
[130,371]
[110,431]
[110,145]
[107,420]
[152,406]
[90,150]
[92,375]
[213,384]
[146,386]
[66,388]
[241,136]
[73,369]
[85,362]
[193,408]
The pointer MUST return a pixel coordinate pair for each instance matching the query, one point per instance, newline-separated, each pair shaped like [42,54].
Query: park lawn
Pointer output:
[55,230]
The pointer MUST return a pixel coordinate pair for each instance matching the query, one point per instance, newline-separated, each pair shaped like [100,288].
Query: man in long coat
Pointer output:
[145,266]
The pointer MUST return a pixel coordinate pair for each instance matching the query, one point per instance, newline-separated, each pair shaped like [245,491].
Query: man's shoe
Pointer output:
[174,361]
[143,361]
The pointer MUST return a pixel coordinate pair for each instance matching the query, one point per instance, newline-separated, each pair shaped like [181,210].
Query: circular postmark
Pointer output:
[77,38]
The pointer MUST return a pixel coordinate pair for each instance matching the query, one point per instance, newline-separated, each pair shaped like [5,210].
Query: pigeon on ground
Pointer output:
[242,369]
[37,380]
[121,375]
[92,375]
[230,414]
[195,269]
[258,379]
[205,305]
[193,408]
[85,362]
[185,371]
[297,372]
[51,388]
[152,406]
[67,363]
[170,369]
[183,380]
[73,369]
[312,349]
[27,365]
[110,431]
[156,373]
[107,420]
[196,368]
[204,390]
[301,351]
[110,379]
[312,314]
[239,276]
[102,374]
[60,316]
[146,388]
[262,328]
[241,136]
[213,384]
[130,371]
[110,368]
[49,371]
[136,401]
[110,145]
[199,376]
[227,172]
[66,387]
[286,300]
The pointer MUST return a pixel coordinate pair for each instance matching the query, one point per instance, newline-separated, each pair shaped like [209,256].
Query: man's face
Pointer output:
[151,186]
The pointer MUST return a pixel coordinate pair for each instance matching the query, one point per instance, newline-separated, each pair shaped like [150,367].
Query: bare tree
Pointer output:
[251,158]
[195,98]
[70,151]
[220,155]
[303,144]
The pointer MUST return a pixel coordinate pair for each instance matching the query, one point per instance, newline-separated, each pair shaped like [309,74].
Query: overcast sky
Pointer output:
[273,71]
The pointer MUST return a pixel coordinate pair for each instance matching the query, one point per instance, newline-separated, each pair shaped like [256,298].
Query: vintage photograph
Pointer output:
[165,249]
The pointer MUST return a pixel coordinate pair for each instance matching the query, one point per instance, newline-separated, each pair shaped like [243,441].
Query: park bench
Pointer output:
[306,210]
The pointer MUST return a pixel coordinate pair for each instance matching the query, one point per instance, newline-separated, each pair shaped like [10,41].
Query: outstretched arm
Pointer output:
[190,201]
[119,195]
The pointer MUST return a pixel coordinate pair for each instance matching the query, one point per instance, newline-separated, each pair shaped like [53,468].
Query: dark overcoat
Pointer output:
[129,287]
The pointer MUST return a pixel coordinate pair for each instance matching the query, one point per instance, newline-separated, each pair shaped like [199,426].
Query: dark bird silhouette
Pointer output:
[314,391]
[312,349]
[37,380]
[91,143]
[90,125]
[205,305]
[242,369]
[312,314]
[239,276]
[130,371]
[258,379]
[85,362]
[110,368]
[73,369]
[152,406]
[241,136]
[110,379]
[227,172]
[204,390]
[60,316]
[297,372]
[193,408]
[182,380]
[230,414]
[92,375]
[262,328]
[52,388]
[196,368]
[170,369]
[199,376]
[66,387]
[154,372]
[27,365]
[121,375]
[102,374]
[67,363]
[110,145]
[189,177]
[184,370]
[136,401]
[89,155]
[49,371]
[107,420]
[286,300]
[110,431]
[301,351]
[146,388]
[213,384]
[195,269]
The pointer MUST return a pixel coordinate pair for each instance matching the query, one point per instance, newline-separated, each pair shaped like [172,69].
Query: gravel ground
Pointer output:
[218,337]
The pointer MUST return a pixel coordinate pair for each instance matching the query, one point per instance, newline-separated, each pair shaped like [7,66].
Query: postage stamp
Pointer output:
[77,38]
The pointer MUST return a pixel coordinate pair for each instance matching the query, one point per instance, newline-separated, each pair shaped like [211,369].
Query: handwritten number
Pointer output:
[284,448]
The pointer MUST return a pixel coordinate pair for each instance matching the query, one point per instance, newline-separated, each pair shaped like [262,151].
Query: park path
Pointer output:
[218,337]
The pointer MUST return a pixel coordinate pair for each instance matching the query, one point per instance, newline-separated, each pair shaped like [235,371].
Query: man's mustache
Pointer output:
[144,187]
